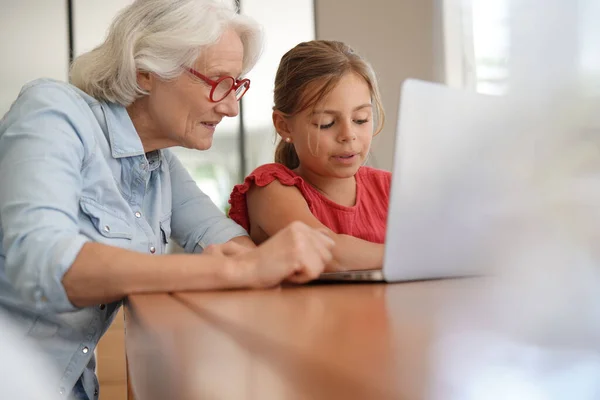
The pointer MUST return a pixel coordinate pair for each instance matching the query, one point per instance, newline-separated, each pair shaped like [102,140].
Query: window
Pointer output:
[287,23]
[234,153]
[218,169]
[490,39]
[476,44]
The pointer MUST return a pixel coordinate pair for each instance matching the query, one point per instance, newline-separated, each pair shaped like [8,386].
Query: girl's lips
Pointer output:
[345,158]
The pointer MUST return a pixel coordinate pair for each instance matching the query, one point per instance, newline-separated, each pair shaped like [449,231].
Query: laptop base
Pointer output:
[361,275]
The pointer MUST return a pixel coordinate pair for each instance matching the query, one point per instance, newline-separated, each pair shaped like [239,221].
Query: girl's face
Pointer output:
[333,138]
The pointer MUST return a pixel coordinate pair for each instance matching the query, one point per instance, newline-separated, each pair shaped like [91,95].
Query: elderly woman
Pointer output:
[89,196]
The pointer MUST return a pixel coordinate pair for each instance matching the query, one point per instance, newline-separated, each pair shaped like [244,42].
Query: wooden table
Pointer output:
[326,341]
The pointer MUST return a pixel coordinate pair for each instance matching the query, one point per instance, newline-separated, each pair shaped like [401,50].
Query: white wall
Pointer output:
[400,38]
[35,39]
[34,44]
[91,20]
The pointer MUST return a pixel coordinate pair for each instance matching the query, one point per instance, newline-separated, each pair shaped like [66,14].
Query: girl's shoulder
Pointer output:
[268,173]
[261,177]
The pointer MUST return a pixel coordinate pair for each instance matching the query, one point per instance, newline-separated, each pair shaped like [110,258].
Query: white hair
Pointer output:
[159,36]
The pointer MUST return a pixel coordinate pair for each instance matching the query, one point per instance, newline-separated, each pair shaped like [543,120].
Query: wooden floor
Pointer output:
[111,368]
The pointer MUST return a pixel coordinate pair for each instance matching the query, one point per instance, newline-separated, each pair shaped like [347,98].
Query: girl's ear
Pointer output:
[281,125]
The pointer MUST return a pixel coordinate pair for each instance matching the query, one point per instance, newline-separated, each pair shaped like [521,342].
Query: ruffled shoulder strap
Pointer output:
[261,177]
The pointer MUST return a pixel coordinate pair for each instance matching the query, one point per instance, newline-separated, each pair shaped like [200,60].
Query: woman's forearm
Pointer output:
[102,274]
[351,253]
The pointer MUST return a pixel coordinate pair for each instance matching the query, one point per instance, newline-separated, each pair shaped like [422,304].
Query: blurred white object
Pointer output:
[481,365]
[535,332]
[25,373]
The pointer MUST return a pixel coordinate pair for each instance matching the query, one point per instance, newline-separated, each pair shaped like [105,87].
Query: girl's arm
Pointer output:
[273,207]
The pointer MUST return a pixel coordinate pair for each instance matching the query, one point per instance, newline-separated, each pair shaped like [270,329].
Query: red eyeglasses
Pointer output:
[224,85]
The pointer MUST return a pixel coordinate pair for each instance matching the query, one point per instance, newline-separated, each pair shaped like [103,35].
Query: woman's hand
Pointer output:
[296,254]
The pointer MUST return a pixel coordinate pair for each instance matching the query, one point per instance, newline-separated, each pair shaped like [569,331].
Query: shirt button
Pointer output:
[38,295]
[96,392]
[102,306]
[61,390]
[85,350]
[138,214]
[106,228]
[152,249]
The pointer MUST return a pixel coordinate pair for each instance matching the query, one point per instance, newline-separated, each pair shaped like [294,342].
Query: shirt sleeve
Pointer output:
[41,158]
[196,221]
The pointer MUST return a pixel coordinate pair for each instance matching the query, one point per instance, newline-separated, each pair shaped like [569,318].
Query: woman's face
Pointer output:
[334,138]
[179,112]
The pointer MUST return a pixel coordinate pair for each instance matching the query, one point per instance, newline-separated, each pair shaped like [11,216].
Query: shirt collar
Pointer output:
[124,139]
[154,159]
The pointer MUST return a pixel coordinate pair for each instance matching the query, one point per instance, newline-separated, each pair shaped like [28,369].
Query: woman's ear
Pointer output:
[145,80]
[281,124]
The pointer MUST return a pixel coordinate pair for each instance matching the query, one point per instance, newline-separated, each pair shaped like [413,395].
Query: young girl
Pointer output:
[327,110]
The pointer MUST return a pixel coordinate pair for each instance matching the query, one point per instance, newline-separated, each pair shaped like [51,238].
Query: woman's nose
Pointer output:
[229,106]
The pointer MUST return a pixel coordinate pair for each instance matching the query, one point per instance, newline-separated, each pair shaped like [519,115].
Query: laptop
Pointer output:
[439,188]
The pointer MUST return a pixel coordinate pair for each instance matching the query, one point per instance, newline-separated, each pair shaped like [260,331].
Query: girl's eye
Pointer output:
[361,121]
[326,126]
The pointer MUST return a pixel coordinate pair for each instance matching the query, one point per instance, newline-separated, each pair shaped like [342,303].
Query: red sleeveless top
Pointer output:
[365,220]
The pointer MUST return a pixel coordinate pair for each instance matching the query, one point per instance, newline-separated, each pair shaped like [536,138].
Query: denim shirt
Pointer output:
[73,170]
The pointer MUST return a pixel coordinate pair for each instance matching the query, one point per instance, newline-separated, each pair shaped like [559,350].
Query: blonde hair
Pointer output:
[159,36]
[318,62]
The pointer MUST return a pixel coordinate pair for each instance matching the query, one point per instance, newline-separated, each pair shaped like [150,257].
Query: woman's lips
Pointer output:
[209,125]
